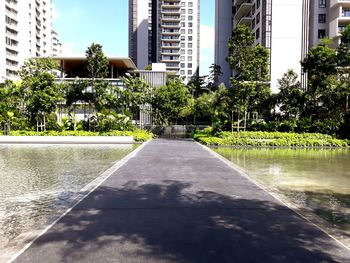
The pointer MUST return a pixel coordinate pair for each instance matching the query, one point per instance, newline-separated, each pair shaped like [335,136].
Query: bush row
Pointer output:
[139,135]
[267,139]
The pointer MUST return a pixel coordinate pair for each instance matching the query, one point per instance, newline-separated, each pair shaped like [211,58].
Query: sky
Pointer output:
[80,23]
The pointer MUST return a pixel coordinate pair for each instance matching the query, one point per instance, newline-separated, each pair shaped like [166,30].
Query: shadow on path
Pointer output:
[165,223]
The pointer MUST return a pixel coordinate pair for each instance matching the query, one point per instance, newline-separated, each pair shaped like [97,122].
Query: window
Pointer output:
[182,4]
[258,18]
[182,52]
[257,3]
[182,72]
[190,4]
[322,18]
[183,31]
[189,38]
[190,18]
[257,33]
[190,11]
[189,58]
[182,58]
[322,3]
[183,24]
[189,45]
[189,52]
[190,24]
[189,72]
[189,65]
[190,31]
[182,65]
[183,11]
[345,13]
[321,33]
[183,45]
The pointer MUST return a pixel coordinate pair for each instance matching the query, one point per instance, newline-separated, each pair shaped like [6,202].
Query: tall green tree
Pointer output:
[291,98]
[169,101]
[251,67]
[213,78]
[39,90]
[96,62]
[321,67]
[10,105]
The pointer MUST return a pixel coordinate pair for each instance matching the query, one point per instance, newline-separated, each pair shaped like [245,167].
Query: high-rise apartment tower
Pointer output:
[25,32]
[280,25]
[165,31]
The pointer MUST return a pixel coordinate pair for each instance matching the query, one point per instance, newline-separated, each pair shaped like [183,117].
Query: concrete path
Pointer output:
[176,202]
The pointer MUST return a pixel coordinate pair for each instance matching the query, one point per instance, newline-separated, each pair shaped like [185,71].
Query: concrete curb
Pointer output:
[66,139]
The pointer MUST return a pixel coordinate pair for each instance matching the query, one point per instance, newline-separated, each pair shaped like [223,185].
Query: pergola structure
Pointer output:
[75,67]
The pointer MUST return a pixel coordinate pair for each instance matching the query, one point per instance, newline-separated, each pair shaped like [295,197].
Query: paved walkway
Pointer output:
[176,202]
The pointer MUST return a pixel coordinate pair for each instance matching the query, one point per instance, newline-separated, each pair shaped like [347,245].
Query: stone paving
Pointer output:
[174,201]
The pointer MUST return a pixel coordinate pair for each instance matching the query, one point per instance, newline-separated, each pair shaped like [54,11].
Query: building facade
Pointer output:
[165,31]
[276,24]
[25,31]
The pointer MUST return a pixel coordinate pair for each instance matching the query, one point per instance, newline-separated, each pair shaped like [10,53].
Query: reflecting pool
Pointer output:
[312,180]
[39,182]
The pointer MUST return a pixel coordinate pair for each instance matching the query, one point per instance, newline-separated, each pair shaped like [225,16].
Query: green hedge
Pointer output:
[139,135]
[270,139]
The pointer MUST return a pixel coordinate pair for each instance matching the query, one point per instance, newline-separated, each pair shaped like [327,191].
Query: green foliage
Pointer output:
[169,101]
[109,121]
[291,98]
[271,139]
[148,67]
[139,135]
[136,92]
[96,62]
[249,62]
[36,66]
[9,105]
[41,94]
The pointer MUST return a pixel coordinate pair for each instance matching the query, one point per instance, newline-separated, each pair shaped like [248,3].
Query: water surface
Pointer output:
[316,180]
[38,183]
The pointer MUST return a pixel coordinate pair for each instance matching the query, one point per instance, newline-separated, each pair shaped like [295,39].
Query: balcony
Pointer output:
[170,11]
[246,20]
[171,18]
[243,10]
[170,39]
[166,45]
[336,3]
[239,2]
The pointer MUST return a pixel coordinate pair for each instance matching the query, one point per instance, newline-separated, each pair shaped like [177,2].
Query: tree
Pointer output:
[251,66]
[96,62]
[35,66]
[321,66]
[9,105]
[197,85]
[39,90]
[41,96]
[214,75]
[249,62]
[169,101]
[291,98]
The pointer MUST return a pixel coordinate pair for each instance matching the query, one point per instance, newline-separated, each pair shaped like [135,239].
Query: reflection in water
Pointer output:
[317,180]
[37,182]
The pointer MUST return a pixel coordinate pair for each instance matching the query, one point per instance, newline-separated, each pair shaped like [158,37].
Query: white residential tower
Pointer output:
[25,31]
[165,31]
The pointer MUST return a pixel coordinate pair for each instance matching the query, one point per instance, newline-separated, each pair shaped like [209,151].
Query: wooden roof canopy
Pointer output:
[75,66]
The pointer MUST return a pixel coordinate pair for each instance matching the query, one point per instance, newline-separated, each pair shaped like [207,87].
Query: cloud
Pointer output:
[55,14]
[69,49]
[207,46]
[207,37]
